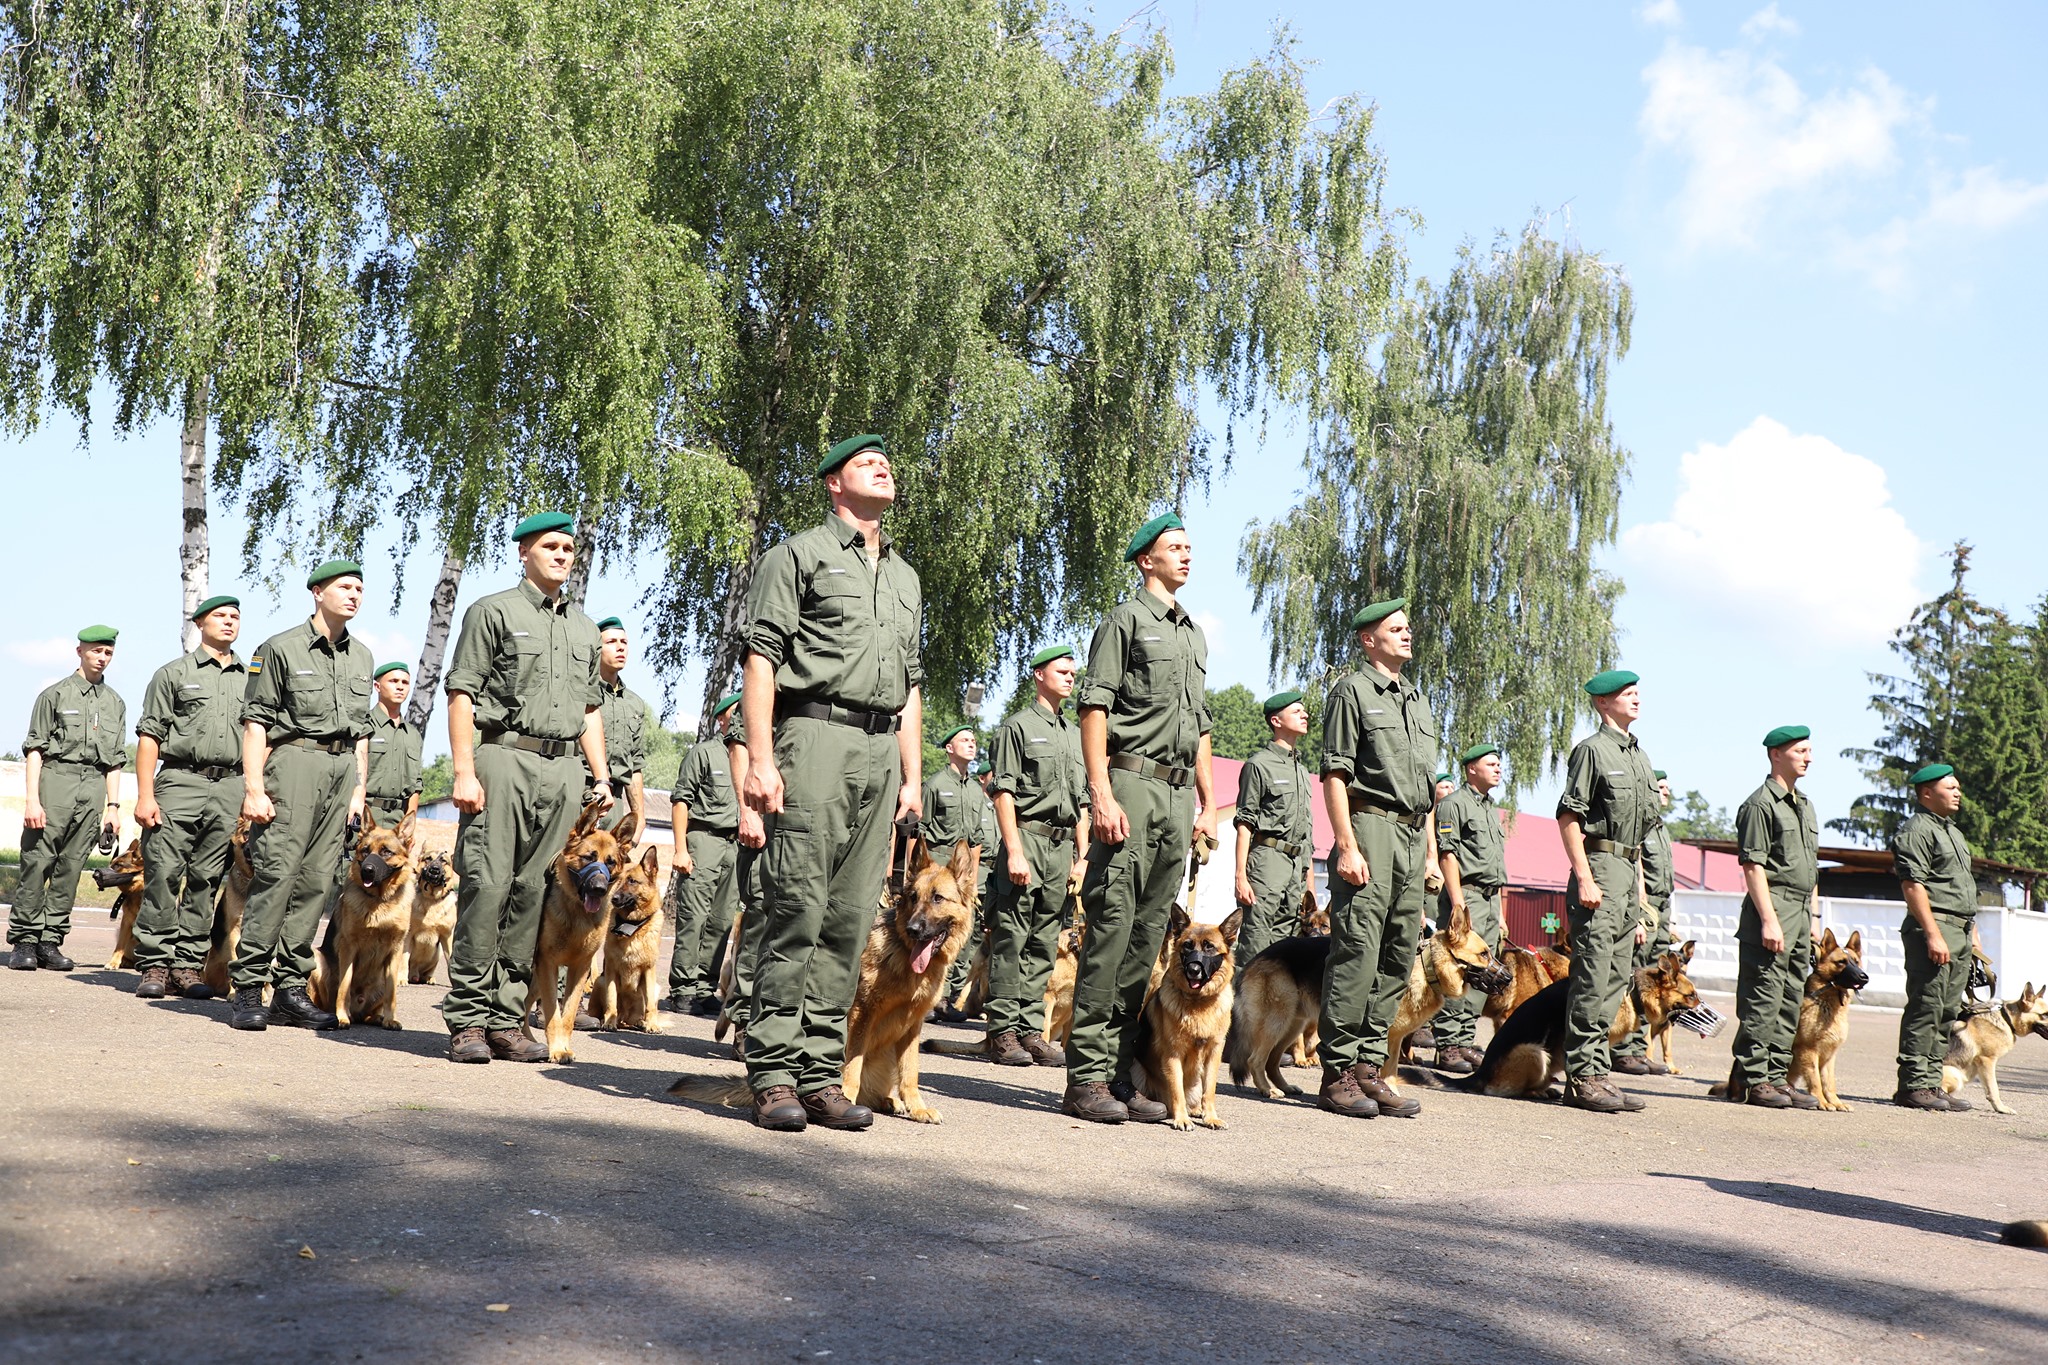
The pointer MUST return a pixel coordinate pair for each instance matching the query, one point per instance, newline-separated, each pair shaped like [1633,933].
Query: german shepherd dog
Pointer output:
[1451,962]
[902,971]
[1980,1040]
[1526,1055]
[573,922]
[1313,922]
[1059,987]
[227,911]
[1182,1029]
[124,874]
[1528,973]
[625,994]
[433,916]
[1824,1017]
[361,978]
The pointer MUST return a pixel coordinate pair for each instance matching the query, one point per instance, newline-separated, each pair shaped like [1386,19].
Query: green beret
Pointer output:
[1051,652]
[1786,734]
[97,635]
[1477,752]
[1659,774]
[1142,538]
[544,521]
[333,569]
[1933,772]
[847,449]
[215,603]
[610,623]
[382,669]
[1280,701]
[1608,683]
[1377,612]
[1443,777]
[725,704]
[947,738]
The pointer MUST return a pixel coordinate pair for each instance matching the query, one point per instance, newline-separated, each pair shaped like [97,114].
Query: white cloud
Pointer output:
[1660,14]
[1789,532]
[387,646]
[1769,20]
[59,652]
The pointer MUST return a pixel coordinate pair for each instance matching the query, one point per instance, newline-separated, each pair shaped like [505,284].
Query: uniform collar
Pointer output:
[85,682]
[1484,798]
[616,687]
[1371,673]
[1780,791]
[1621,736]
[377,717]
[1160,607]
[318,641]
[1282,750]
[202,659]
[1048,712]
[850,535]
[560,606]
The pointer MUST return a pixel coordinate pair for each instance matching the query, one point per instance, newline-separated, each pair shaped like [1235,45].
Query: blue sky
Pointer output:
[1833,217]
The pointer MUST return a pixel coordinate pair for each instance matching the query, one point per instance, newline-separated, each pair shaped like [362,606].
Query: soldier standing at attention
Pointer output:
[1632,1056]
[625,735]
[738,1006]
[394,786]
[191,720]
[952,801]
[1275,830]
[1379,742]
[1039,796]
[705,817]
[834,719]
[305,763]
[1444,787]
[1778,837]
[1932,860]
[1608,809]
[1471,850]
[75,750]
[525,740]
[1145,741]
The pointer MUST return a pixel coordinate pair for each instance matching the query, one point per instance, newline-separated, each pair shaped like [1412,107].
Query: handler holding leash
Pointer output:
[1472,854]
[1145,741]
[1275,830]
[625,735]
[1779,841]
[705,815]
[394,785]
[525,738]
[1932,860]
[834,721]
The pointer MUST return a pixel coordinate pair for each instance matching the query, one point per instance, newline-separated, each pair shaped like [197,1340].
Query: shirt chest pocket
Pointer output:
[841,600]
[189,701]
[1384,730]
[523,663]
[1156,666]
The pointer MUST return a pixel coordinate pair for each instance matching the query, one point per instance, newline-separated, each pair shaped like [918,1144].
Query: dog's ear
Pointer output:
[1460,922]
[1685,952]
[1177,923]
[1855,943]
[134,848]
[650,862]
[370,818]
[405,830]
[1232,922]
[586,821]
[1827,942]
[961,865]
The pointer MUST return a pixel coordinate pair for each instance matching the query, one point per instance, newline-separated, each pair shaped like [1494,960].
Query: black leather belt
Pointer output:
[872,722]
[388,802]
[1046,829]
[1632,852]
[726,834]
[325,746]
[546,748]
[1413,819]
[1145,767]
[1275,841]
[213,774]
[1481,888]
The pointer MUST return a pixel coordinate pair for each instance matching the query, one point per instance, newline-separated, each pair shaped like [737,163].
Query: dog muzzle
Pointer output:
[1855,978]
[105,877]
[1495,977]
[1198,968]
[377,870]
[1701,1019]
[593,884]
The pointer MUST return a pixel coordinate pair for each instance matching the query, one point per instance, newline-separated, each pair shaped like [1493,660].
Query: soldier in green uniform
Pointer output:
[191,721]
[625,735]
[834,719]
[1632,1055]
[525,740]
[1778,837]
[305,763]
[75,750]
[737,1006]
[1932,861]
[1145,742]
[1275,830]
[705,810]
[1444,787]
[1039,799]
[1608,808]
[955,810]
[394,785]
[1471,850]
[1379,743]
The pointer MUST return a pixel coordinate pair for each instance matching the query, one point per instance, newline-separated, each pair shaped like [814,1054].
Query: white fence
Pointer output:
[2016,941]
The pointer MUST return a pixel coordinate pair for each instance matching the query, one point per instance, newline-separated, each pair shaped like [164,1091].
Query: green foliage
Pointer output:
[1474,472]
[437,780]
[665,750]
[2000,743]
[1240,725]
[1692,818]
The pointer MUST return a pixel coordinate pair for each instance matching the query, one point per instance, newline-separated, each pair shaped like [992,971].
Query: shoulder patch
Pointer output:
[255,663]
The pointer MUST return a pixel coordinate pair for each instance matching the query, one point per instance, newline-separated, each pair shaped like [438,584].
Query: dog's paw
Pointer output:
[2003,1109]
[394,1026]
[1278,1093]
[561,1054]
[920,1114]
[1181,1125]
[1212,1122]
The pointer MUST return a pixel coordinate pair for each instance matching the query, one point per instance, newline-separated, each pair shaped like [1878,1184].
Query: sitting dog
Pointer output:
[626,993]
[1824,1017]
[433,916]
[902,971]
[1981,1039]
[1450,962]
[1059,986]
[1526,1055]
[360,980]
[573,921]
[1313,922]
[227,911]
[1528,973]
[124,874]
[1181,1031]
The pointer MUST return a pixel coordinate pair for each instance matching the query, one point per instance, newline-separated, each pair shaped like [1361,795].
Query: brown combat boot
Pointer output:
[1929,1100]
[777,1110]
[1142,1108]
[1764,1095]
[1956,1104]
[1632,1066]
[187,983]
[1004,1050]
[153,983]
[1800,1099]
[510,1045]
[829,1108]
[1391,1102]
[1340,1095]
[1595,1094]
[468,1045]
[1044,1051]
[1094,1103]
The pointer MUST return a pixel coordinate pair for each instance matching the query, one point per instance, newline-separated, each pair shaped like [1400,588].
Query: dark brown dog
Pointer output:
[1526,1054]
[573,922]
[360,978]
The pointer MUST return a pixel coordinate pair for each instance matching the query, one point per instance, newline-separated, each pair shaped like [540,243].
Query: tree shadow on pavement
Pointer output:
[1809,1200]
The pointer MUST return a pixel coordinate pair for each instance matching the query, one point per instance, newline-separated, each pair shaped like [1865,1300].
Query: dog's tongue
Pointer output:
[924,956]
[593,902]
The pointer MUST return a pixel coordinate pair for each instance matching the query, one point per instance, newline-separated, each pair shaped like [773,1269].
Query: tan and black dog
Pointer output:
[360,976]
[1452,961]
[1824,1017]
[1528,973]
[1525,1057]
[227,910]
[625,994]
[1980,1040]
[573,922]
[125,875]
[1178,1046]
[902,972]
[433,916]
[1059,986]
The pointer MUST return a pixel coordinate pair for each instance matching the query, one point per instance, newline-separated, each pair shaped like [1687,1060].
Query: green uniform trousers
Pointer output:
[1024,936]
[706,901]
[74,804]
[503,854]
[739,1007]
[183,860]
[1654,945]
[1457,1023]
[1768,989]
[1934,1000]
[1603,947]
[1128,893]
[1374,932]
[1278,882]
[296,862]
[822,876]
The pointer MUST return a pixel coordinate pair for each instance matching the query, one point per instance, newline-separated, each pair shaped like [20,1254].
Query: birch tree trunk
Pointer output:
[426,683]
[192,544]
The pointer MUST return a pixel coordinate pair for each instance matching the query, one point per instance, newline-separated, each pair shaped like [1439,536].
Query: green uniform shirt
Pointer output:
[704,788]
[303,684]
[1610,785]
[1379,731]
[394,759]
[838,629]
[526,664]
[1776,830]
[1468,825]
[625,729]
[193,710]
[953,808]
[1148,666]
[1932,851]
[1036,757]
[1660,877]
[75,721]
[1273,792]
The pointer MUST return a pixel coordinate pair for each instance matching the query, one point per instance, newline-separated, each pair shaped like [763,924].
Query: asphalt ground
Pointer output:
[176,1190]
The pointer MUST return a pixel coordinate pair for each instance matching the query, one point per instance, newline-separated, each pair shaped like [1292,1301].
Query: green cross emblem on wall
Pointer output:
[1550,922]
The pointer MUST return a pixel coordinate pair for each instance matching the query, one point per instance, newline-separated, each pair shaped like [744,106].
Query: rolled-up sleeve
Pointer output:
[1341,717]
[1911,848]
[913,648]
[1251,796]
[1106,654]
[159,706]
[475,646]
[42,722]
[773,603]
[1753,834]
[1006,761]
[263,694]
[1581,772]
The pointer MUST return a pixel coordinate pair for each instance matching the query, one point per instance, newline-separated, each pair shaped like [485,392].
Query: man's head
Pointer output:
[611,646]
[394,684]
[1162,551]
[1287,716]
[1054,669]
[219,619]
[1616,696]
[547,549]
[1791,752]
[1663,790]
[1936,789]
[723,714]
[337,588]
[858,478]
[1482,767]
[96,651]
[959,746]
[1384,633]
